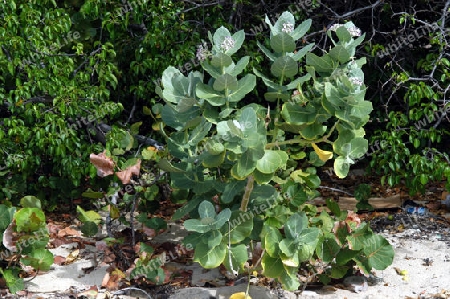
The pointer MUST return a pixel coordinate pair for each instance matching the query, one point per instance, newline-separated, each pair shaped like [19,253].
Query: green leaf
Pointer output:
[212,238]
[360,237]
[273,266]
[223,217]
[302,52]
[289,247]
[270,162]
[206,210]
[232,189]
[13,282]
[266,51]
[29,219]
[282,43]
[295,225]
[165,165]
[221,60]
[271,237]
[284,67]
[379,252]
[39,259]
[89,228]
[225,81]
[290,281]
[309,236]
[340,53]
[86,216]
[240,226]
[324,64]
[187,208]
[30,202]
[235,70]
[200,226]
[209,160]
[155,223]
[334,207]
[327,248]
[301,29]
[210,257]
[235,258]
[245,85]
[6,216]
[91,194]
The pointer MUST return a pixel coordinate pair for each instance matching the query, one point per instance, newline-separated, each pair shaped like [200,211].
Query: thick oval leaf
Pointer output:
[271,237]
[285,67]
[30,202]
[223,217]
[221,60]
[235,259]
[379,252]
[270,162]
[206,209]
[240,226]
[29,219]
[210,257]
[282,43]
[324,64]
[225,81]
[40,259]
[295,225]
[198,226]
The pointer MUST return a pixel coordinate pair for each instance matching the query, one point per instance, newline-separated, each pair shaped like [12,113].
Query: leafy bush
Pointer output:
[25,237]
[250,169]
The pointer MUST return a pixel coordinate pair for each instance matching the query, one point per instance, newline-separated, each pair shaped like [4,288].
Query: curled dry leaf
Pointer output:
[8,235]
[68,231]
[125,175]
[353,217]
[104,164]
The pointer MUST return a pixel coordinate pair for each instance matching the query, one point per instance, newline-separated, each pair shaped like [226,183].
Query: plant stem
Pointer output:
[303,141]
[248,191]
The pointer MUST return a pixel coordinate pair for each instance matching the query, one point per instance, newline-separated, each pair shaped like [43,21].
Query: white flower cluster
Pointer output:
[356,81]
[287,27]
[335,27]
[202,52]
[354,31]
[227,43]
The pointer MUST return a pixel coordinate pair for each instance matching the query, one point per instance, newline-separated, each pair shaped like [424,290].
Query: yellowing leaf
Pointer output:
[323,155]
[240,295]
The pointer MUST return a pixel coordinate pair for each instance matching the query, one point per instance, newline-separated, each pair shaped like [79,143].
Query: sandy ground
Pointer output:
[426,264]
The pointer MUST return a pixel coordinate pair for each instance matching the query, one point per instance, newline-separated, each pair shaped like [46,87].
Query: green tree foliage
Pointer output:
[67,66]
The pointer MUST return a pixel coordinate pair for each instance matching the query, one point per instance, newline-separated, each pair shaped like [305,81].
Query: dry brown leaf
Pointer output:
[59,260]
[353,217]
[72,256]
[104,164]
[8,235]
[125,175]
[68,231]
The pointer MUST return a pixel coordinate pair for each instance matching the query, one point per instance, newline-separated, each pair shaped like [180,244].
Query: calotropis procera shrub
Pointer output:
[250,169]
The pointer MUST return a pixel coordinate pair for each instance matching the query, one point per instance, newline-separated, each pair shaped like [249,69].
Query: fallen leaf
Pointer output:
[59,260]
[92,293]
[240,295]
[125,175]
[72,256]
[104,164]
[68,231]
[8,235]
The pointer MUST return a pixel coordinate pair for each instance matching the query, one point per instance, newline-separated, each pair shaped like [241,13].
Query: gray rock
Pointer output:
[197,293]
[356,284]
